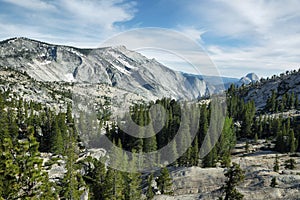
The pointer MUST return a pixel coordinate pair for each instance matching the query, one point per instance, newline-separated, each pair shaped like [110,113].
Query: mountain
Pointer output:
[217,84]
[249,78]
[213,80]
[114,66]
[285,83]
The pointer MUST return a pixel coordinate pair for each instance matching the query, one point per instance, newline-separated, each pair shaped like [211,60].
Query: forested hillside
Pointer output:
[35,137]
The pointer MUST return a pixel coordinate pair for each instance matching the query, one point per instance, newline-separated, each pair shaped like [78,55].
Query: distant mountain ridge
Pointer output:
[218,84]
[115,66]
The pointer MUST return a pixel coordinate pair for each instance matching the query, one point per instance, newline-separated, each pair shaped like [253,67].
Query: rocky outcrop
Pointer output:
[205,183]
[283,84]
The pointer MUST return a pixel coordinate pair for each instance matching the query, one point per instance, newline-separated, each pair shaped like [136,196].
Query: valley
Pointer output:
[64,109]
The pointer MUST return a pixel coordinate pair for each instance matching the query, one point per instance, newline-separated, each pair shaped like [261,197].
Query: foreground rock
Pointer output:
[204,183]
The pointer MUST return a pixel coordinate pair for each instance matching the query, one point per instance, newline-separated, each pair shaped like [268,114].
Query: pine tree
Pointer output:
[255,138]
[271,102]
[225,159]
[8,167]
[149,193]
[9,185]
[203,124]
[226,142]
[292,101]
[113,185]
[280,146]
[150,143]
[56,140]
[133,182]
[292,141]
[95,177]
[290,164]
[210,159]
[184,141]
[30,177]
[234,175]
[247,119]
[247,146]
[72,183]
[164,182]
[276,164]
[273,182]
[195,153]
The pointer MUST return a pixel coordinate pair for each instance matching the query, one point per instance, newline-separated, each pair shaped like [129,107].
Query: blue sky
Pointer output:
[261,36]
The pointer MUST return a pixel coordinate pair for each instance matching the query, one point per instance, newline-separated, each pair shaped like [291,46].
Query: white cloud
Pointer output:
[268,28]
[192,32]
[104,12]
[83,23]
[172,48]
[31,4]
[239,35]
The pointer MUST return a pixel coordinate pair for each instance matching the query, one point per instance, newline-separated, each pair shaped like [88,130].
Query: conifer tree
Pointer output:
[149,193]
[227,141]
[113,185]
[279,146]
[164,182]
[273,182]
[95,178]
[195,152]
[276,164]
[31,179]
[234,175]
[184,141]
[72,183]
[292,141]
[247,119]
[133,182]
[9,185]
[150,143]
[56,140]
[290,164]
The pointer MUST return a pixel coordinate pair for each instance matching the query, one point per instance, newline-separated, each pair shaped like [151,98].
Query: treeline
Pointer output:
[29,129]
[26,131]
[283,131]
[287,102]
[179,121]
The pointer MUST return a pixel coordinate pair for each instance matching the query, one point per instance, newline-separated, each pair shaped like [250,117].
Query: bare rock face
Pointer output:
[114,66]
[205,183]
[284,84]
[197,180]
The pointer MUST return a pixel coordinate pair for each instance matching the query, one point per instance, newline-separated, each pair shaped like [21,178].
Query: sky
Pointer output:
[261,36]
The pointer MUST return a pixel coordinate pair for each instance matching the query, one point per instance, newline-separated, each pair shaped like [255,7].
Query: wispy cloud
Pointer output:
[192,32]
[76,22]
[104,13]
[31,4]
[269,30]
[239,36]
[172,48]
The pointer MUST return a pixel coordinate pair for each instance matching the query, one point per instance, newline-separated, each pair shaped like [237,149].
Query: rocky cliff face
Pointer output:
[191,183]
[114,66]
[284,84]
